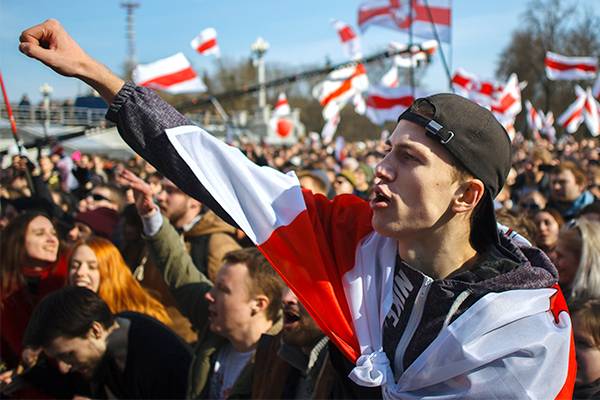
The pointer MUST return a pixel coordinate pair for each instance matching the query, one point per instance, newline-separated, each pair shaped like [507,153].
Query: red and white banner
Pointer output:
[534,119]
[172,74]
[350,41]
[548,129]
[339,87]
[508,105]
[342,271]
[572,117]
[386,104]
[559,67]
[391,78]
[282,107]
[396,14]
[484,93]
[329,129]
[280,123]
[590,113]
[206,42]
[419,54]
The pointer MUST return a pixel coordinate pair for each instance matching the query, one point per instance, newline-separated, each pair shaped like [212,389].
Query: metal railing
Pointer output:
[56,115]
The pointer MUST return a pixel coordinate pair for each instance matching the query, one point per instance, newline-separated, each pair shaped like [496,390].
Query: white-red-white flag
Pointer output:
[330,128]
[282,107]
[596,88]
[548,129]
[590,113]
[339,87]
[391,78]
[508,104]
[172,74]
[572,117]
[559,67]
[396,14]
[534,119]
[206,42]
[469,85]
[350,41]
[417,55]
[386,104]
[463,82]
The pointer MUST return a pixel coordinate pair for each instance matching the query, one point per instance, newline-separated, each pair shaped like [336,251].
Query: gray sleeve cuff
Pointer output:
[152,222]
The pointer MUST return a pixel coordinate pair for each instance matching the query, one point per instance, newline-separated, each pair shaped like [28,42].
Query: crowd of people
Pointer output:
[116,283]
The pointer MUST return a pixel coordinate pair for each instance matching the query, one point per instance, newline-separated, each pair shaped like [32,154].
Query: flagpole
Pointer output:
[410,44]
[437,37]
[451,49]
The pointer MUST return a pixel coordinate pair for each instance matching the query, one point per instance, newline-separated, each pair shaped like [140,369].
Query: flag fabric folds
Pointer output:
[206,42]
[386,104]
[172,74]
[418,54]
[572,117]
[559,67]
[348,38]
[534,119]
[329,129]
[339,87]
[391,79]
[280,123]
[396,14]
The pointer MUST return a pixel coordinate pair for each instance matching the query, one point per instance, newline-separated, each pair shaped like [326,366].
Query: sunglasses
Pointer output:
[99,197]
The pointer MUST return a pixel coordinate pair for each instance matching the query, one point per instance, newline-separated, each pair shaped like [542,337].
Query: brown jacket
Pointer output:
[221,240]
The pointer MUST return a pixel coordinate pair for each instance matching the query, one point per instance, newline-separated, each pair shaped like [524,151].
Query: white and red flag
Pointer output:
[534,119]
[172,74]
[572,117]
[386,104]
[483,92]
[463,82]
[418,54]
[396,14]
[559,67]
[508,104]
[340,86]
[342,270]
[391,78]
[590,113]
[329,129]
[282,107]
[206,42]
[280,122]
[548,129]
[596,88]
[350,41]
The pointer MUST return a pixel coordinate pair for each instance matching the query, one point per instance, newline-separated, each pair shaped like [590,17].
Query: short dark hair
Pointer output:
[68,312]
[263,278]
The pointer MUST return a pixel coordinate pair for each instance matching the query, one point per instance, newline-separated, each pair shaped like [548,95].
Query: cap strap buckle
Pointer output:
[436,129]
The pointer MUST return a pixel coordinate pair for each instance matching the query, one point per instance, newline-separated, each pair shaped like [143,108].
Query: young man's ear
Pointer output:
[468,196]
[260,303]
[96,330]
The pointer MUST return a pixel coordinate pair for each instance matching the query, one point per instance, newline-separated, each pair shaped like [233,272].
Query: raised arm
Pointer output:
[49,43]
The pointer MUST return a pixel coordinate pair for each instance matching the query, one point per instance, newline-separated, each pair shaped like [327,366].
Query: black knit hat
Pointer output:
[478,142]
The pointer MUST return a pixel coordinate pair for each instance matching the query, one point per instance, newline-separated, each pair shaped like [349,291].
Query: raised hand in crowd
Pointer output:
[144,198]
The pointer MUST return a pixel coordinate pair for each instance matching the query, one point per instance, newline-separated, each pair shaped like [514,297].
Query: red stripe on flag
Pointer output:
[461,80]
[365,15]
[576,114]
[346,34]
[565,67]
[280,103]
[386,103]
[558,304]
[439,15]
[345,86]
[171,79]
[204,46]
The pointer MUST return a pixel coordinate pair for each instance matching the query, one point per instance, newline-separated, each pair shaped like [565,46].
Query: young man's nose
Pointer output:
[63,367]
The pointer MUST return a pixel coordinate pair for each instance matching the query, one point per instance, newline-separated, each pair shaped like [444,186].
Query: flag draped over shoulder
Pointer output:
[395,14]
[172,74]
[559,67]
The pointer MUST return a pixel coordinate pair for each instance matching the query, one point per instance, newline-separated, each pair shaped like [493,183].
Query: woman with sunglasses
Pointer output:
[578,259]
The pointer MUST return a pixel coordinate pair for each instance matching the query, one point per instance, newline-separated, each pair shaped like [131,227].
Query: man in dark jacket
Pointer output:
[127,356]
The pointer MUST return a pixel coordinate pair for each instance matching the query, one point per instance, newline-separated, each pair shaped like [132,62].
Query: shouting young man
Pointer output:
[415,287]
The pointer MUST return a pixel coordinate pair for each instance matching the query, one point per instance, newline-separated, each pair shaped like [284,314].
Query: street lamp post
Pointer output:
[259,48]
[46,90]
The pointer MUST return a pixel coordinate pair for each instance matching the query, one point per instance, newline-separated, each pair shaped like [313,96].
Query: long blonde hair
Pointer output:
[118,288]
[583,238]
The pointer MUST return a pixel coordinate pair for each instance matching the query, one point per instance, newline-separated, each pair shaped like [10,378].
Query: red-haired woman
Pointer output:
[97,264]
